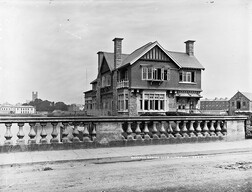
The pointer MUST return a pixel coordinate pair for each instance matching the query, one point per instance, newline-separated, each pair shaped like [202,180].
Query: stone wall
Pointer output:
[133,104]
[56,133]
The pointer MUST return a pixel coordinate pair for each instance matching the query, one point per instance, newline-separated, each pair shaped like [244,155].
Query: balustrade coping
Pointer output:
[116,119]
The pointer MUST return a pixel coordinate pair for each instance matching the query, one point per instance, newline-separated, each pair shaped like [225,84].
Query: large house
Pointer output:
[150,79]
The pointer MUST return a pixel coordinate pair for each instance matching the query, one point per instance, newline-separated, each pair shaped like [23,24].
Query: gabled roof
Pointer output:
[183,60]
[94,81]
[137,54]
[110,59]
[248,95]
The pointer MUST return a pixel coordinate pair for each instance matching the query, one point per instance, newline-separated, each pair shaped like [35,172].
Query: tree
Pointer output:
[48,105]
[61,106]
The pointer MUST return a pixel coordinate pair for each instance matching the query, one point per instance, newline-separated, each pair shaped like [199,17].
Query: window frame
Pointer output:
[123,102]
[187,77]
[153,101]
[155,73]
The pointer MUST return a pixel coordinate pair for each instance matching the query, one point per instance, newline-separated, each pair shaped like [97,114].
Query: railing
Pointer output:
[122,84]
[106,89]
[49,129]
[64,132]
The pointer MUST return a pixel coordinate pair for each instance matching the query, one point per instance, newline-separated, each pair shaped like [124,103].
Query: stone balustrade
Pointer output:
[47,133]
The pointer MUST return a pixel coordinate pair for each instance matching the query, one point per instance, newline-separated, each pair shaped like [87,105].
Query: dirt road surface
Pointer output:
[215,172]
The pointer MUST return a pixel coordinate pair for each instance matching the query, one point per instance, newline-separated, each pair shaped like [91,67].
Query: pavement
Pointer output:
[122,154]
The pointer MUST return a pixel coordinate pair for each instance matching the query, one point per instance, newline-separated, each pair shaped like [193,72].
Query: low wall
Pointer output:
[54,133]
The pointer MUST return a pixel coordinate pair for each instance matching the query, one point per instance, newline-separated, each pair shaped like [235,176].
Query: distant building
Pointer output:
[150,79]
[75,107]
[7,108]
[214,106]
[34,96]
[240,102]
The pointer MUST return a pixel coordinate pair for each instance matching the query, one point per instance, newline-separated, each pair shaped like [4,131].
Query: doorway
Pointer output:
[238,104]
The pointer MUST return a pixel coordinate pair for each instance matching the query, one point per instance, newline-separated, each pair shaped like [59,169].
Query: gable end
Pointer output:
[104,66]
[155,54]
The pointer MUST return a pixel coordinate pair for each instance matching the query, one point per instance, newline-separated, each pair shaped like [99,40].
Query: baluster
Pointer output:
[86,133]
[123,133]
[205,129]
[129,131]
[224,128]
[93,133]
[138,132]
[169,129]
[8,134]
[43,133]
[212,129]
[154,130]
[198,129]
[32,134]
[75,133]
[184,129]
[162,130]
[65,138]
[218,129]
[177,129]
[191,129]
[20,134]
[146,131]
[54,133]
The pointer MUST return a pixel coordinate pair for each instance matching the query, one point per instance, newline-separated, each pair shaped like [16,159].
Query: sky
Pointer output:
[51,46]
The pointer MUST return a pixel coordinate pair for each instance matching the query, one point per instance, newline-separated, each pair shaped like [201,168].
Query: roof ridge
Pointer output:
[113,53]
[141,47]
[176,52]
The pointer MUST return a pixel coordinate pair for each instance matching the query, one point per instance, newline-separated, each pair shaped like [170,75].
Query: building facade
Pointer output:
[214,106]
[7,108]
[240,102]
[149,80]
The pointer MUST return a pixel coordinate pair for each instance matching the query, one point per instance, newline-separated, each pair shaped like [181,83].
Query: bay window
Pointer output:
[152,102]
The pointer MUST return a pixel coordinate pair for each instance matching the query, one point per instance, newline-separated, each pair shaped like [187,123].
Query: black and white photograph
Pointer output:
[126,95]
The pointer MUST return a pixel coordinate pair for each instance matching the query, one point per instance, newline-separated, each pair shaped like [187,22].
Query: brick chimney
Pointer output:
[189,47]
[117,52]
[100,56]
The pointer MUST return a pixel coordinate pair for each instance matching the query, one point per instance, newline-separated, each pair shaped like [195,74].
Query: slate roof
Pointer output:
[183,60]
[136,53]
[248,95]
[94,81]
[110,59]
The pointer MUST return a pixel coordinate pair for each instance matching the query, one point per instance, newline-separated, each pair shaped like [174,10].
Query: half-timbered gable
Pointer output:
[155,54]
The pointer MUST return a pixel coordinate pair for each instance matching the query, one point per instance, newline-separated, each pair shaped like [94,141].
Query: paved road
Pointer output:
[214,172]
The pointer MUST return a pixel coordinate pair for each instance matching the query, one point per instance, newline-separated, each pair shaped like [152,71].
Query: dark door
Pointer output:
[238,104]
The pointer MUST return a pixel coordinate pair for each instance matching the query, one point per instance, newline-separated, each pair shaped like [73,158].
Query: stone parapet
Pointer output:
[55,133]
